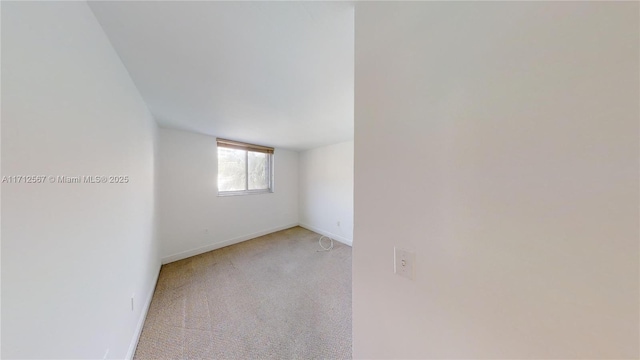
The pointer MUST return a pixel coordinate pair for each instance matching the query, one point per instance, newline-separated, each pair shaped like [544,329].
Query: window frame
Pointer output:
[246,147]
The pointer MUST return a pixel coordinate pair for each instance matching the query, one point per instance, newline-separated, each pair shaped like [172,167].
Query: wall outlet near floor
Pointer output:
[403,262]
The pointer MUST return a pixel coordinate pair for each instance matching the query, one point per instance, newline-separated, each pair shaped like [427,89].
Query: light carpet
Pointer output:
[273,297]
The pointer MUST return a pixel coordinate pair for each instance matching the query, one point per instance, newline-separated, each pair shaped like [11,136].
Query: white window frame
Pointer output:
[269,151]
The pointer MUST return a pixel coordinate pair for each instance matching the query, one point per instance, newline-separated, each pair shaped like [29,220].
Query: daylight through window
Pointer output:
[244,168]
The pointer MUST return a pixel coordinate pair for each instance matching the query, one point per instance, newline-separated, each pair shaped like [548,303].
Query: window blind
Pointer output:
[243,146]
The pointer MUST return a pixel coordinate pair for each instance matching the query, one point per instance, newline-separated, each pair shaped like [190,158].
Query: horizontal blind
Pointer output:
[243,146]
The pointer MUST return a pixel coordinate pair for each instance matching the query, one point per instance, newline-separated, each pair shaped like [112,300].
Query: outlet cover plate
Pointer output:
[404,263]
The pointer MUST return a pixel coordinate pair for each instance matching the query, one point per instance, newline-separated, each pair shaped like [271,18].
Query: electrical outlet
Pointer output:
[404,262]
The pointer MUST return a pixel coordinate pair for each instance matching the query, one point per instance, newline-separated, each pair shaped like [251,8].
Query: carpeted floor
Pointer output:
[273,297]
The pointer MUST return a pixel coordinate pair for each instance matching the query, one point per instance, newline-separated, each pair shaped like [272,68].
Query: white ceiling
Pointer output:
[272,73]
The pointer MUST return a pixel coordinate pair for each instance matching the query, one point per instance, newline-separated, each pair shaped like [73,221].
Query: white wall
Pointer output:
[193,219]
[72,254]
[326,191]
[499,141]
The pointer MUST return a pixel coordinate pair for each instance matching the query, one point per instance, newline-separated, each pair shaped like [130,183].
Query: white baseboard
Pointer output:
[221,244]
[327,233]
[143,317]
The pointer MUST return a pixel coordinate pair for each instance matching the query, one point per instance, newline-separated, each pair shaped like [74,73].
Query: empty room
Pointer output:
[320,180]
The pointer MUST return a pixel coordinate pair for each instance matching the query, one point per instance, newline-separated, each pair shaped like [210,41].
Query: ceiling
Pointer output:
[272,73]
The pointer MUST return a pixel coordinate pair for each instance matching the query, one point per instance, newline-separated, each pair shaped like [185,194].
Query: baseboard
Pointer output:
[221,244]
[143,317]
[327,233]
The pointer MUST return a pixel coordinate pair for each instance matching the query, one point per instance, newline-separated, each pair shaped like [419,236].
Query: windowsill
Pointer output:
[243,192]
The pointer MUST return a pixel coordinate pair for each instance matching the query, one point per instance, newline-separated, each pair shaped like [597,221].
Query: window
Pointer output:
[244,168]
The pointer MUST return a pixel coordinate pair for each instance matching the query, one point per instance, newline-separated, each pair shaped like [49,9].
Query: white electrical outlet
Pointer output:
[404,262]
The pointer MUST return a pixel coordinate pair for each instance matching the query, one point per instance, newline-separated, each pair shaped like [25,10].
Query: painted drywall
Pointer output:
[244,70]
[192,217]
[326,191]
[72,253]
[499,142]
